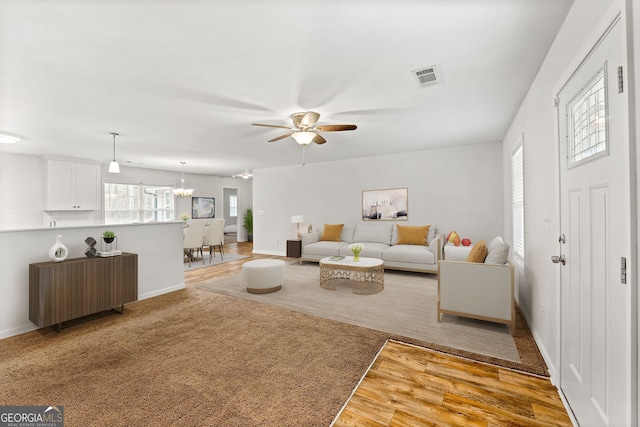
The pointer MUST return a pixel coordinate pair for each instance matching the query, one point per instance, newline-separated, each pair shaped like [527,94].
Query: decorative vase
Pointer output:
[58,252]
[108,243]
[356,256]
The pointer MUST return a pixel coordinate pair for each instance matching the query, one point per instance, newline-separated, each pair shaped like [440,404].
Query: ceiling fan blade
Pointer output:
[309,119]
[270,126]
[318,139]
[335,128]
[280,137]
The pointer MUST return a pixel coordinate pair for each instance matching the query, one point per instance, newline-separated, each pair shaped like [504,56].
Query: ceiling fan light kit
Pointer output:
[304,137]
[304,130]
[244,175]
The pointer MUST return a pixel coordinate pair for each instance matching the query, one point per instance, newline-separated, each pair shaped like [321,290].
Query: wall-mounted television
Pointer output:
[203,207]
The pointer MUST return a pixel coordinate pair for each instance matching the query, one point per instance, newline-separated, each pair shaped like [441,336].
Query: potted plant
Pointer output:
[108,236]
[248,223]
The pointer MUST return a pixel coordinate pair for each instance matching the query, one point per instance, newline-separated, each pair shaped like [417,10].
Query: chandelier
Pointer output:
[182,192]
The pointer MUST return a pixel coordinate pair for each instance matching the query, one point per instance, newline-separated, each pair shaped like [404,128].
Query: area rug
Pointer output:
[406,308]
[214,261]
[190,358]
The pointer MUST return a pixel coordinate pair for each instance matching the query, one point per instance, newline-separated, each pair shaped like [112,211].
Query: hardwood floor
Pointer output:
[194,277]
[411,386]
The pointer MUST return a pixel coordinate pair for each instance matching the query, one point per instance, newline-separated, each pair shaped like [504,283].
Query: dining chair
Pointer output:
[215,237]
[193,239]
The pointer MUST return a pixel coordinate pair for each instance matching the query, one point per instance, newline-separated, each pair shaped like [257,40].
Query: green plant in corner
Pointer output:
[248,223]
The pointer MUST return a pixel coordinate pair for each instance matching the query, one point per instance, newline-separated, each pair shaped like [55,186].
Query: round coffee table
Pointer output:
[366,275]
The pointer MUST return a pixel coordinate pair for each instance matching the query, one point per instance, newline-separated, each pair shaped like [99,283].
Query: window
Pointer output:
[233,205]
[127,203]
[587,125]
[517,179]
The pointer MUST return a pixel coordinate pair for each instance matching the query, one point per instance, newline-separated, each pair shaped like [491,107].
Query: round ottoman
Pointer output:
[263,275]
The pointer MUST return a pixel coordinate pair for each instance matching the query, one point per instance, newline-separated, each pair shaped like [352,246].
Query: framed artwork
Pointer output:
[385,205]
[203,207]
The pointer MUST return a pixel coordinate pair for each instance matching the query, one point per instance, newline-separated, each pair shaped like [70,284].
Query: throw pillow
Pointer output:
[412,235]
[331,232]
[431,234]
[498,255]
[497,241]
[478,252]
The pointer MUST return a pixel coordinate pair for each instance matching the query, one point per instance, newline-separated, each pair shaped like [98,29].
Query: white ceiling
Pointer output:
[182,80]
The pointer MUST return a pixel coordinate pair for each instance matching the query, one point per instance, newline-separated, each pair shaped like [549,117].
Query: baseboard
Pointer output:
[31,327]
[162,291]
[276,253]
[543,351]
[17,331]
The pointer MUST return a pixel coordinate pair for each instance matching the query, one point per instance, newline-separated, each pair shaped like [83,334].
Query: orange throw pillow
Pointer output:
[478,252]
[331,232]
[412,235]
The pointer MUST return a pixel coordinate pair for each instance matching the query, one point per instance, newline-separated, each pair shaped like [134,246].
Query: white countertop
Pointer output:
[75,227]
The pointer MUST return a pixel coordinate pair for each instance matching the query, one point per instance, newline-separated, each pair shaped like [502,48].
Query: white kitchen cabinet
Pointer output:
[72,186]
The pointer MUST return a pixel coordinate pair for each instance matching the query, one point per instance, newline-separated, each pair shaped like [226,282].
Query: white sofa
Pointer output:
[479,290]
[380,241]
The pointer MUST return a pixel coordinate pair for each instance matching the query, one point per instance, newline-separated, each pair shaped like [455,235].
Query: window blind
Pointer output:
[517,170]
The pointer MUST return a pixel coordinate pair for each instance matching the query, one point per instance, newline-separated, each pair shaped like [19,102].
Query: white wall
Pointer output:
[22,196]
[456,188]
[160,262]
[203,186]
[538,287]
[22,200]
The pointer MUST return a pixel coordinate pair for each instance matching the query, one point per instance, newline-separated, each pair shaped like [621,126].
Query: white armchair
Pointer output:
[477,290]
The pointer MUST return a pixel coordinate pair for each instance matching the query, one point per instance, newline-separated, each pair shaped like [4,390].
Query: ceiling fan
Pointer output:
[244,175]
[304,129]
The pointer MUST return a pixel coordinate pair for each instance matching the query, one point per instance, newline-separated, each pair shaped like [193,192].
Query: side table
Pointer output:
[456,253]
[294,249]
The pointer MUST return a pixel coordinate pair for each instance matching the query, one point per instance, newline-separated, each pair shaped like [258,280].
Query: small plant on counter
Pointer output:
[108,236]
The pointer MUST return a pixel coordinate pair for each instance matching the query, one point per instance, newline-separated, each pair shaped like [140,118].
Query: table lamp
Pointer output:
[297,219]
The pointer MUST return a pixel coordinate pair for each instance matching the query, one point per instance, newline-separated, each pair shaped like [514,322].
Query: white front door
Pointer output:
[595,365]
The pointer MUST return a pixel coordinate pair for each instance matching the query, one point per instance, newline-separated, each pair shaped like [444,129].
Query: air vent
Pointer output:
[427,76]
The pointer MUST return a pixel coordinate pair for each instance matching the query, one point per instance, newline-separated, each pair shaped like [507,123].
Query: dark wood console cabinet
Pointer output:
[67,290]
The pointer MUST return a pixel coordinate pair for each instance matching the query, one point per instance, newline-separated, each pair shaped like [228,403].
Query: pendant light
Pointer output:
[182,192]
[114,167]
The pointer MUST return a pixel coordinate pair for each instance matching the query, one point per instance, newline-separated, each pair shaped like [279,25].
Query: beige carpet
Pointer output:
[190,358]
[198,358]
[406,307]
